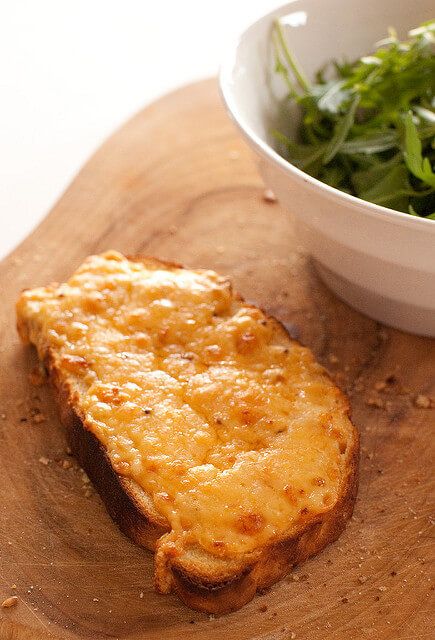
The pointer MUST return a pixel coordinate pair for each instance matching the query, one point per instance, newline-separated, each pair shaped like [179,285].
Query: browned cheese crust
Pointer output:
[198,580]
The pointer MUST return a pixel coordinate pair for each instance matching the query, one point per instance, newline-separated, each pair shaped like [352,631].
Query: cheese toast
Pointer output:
[213,438]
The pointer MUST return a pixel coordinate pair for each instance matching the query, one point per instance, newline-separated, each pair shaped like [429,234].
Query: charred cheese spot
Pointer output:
[319,482]
[250,523]
[291,495]
[233,430]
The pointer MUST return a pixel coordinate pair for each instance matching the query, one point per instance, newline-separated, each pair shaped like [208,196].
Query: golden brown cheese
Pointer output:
[235,432]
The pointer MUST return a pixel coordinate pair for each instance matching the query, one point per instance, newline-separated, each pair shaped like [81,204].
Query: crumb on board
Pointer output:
[269,196]
[95,600]
[38,417]
[380,385]
[423,402]
[375,402]
[43,460]
[10,602]
[263,608]
[85,477]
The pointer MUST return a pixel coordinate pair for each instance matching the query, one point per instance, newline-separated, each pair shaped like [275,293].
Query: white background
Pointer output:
[71,71]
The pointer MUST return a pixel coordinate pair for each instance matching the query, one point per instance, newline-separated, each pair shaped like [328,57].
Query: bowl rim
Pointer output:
[226,71]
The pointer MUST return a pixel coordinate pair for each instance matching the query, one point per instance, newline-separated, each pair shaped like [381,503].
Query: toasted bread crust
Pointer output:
[135,515]
[120,495]
[274,562]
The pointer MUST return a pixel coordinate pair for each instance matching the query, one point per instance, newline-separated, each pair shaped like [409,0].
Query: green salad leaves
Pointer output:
[368,127]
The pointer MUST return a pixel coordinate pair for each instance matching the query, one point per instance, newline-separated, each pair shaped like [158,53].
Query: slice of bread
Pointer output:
[213,438]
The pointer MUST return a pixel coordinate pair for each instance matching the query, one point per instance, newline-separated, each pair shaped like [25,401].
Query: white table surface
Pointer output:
[74,70]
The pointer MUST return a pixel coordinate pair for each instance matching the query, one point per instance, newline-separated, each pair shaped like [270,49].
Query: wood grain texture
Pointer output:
[177,182]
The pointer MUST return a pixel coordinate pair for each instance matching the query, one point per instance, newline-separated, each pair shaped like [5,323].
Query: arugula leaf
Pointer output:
[420,167]
[388,191]
[290,59]
[334,97]
[364,180]
[302,155]
[372,143]
[341,130]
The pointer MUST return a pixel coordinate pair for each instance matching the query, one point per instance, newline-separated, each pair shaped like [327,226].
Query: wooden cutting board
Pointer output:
[178,183]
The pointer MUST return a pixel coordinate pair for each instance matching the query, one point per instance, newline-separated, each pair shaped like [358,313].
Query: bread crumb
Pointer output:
[292,635]
[38,418]
[13,586]
[10,602]
[375,402]
[380,386]
[422,402]
[294,577]
[95,600]
[66,464]
[85,477]
[141,595]
[362,579]
[269,196]
[382,588]
[43,460]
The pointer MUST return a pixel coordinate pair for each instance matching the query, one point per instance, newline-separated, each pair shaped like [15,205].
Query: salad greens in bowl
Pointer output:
[369,129]
[339,108]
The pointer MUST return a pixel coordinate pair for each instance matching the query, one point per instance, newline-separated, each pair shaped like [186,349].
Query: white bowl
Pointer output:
[380,261]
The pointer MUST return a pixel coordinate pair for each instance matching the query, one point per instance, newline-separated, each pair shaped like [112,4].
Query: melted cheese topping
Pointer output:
[235,432]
